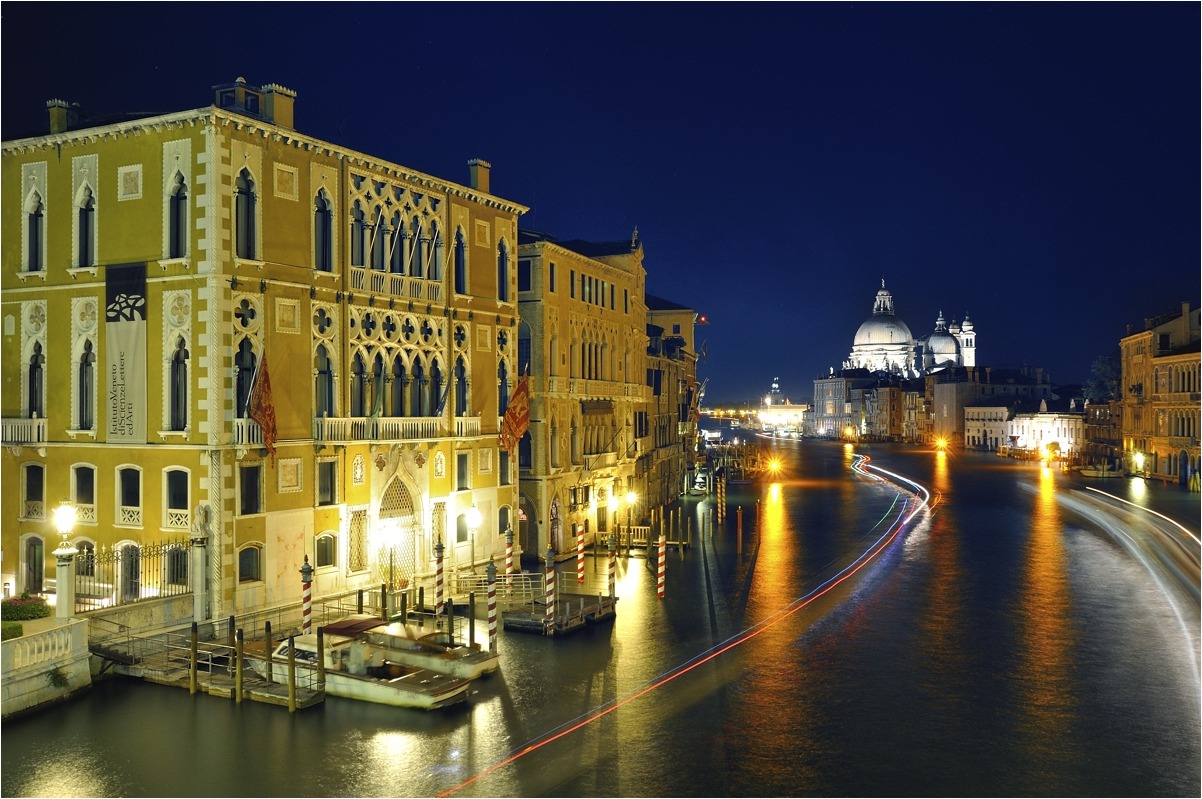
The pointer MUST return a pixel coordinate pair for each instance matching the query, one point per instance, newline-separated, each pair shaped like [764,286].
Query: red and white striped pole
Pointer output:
[549,621]
[509,556]
[663,559]
[306,597]
[438,550]
[580,553]
[492,605]
[613,567]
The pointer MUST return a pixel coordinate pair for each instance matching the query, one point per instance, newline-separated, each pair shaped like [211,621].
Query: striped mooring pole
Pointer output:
[492,606]
[306,572]
[508,556]
[580,553]
[438,549]
[613,567]
[549,620]
[663,562]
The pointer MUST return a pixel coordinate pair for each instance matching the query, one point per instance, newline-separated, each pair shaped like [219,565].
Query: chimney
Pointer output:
[478,168]
[63,115]
[279,105]
[988,376]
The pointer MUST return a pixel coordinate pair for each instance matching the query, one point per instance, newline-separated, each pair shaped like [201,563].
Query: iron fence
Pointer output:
[129,573]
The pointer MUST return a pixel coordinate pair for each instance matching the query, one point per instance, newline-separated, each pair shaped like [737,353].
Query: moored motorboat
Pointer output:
[1090,472]
[354,669]
[419,646]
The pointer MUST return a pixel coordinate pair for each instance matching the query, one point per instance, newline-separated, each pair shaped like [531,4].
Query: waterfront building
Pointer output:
[986,422]
[583,332]
[216,326]
[1160,396]
[1104,434]
[667,469]
[1056,430]
[780,416]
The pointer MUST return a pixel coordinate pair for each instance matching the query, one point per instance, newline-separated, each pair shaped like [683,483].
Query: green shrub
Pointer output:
[11,629]
[23,608]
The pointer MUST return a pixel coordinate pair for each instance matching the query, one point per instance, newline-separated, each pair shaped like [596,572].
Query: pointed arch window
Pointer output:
[358,234]
[358,385]
[502,388]
[436,400]
[378,234]
[178,386]
[85,413]
[244,368]
[437,257]
[400,382]
[378,385]
[177,218]
[86,228]
[34,232]
[323,383]
[460,263]
[396,243]
[417,390]
[503,272]
[36,386]
[244,215]
[461,389]
[417,267]
[523,347]
[323,233]
[525,452]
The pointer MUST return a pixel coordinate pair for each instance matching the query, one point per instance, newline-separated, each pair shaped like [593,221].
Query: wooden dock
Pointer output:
[573,611]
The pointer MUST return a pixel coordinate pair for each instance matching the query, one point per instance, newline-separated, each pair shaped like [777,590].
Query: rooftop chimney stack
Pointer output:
[280,105]
[478,168]
[63,115]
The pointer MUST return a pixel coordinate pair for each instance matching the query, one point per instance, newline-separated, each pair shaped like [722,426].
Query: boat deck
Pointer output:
[574,611]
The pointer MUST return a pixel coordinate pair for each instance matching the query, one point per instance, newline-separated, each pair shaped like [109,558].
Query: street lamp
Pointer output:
[64,600]
[473,524]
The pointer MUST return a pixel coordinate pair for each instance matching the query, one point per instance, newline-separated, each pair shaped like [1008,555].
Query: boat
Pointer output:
[418,646]
[354,669]
[1103,472]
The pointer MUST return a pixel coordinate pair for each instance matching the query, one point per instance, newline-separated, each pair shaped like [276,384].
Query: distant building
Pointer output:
[1160,397]
[883,343]
[1056,430]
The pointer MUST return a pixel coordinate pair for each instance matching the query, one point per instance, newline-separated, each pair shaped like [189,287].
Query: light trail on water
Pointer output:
[861,465]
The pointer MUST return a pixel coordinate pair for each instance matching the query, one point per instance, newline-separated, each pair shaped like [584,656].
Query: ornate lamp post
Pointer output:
[64,521]
[474,520]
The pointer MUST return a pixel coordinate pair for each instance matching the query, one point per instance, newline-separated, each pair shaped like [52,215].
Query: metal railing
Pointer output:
[131,573]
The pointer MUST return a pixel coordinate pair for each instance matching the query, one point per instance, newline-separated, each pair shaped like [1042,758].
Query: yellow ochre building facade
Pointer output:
[156,269]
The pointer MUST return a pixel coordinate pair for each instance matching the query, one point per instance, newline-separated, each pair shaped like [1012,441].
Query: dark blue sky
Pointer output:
[1033,165]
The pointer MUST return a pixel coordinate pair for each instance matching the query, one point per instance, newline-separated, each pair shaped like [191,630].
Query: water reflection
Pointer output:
[1048,706]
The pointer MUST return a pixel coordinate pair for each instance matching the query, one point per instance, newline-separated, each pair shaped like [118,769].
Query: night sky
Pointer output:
[1032,165]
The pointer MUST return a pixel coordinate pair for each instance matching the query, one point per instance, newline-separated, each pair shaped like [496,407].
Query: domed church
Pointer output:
[884,343]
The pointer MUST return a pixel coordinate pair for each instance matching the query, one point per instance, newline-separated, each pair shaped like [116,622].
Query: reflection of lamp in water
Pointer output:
[474,520]
[1139,462]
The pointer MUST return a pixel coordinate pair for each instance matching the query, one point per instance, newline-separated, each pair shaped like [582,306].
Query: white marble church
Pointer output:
[885,344]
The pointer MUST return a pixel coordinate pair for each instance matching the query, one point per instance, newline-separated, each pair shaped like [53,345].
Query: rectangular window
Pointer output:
[249,565]
[327,550]
[551,277]
[611,296]
[250,492]
[572,283]
[463,476]
[85,485]
[524,274]
[625,300]
[504,466]
[358,541]
[327,486]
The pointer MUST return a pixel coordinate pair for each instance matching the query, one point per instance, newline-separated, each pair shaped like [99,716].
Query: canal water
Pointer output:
[1000,643]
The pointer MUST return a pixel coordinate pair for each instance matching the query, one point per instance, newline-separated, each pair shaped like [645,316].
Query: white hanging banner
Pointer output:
[125,352]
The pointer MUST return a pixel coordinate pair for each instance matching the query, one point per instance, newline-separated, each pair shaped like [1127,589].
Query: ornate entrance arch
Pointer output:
[396,546]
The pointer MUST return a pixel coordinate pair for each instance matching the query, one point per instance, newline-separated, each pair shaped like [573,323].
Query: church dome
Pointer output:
[941,346]
[883,330]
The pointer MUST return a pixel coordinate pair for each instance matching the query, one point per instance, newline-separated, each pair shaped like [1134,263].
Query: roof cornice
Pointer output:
[222,118]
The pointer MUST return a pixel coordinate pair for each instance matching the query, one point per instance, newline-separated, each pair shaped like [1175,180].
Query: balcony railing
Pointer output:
[247,433]
[129,515]
[23,431]
[467,426]
[384,428]
[392,285]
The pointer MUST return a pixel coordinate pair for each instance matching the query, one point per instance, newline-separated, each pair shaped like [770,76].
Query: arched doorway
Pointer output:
[396,541]
[528,534]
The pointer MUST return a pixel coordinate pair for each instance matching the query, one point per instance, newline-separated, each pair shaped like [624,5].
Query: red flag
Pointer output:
[517,416]
[260,408]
